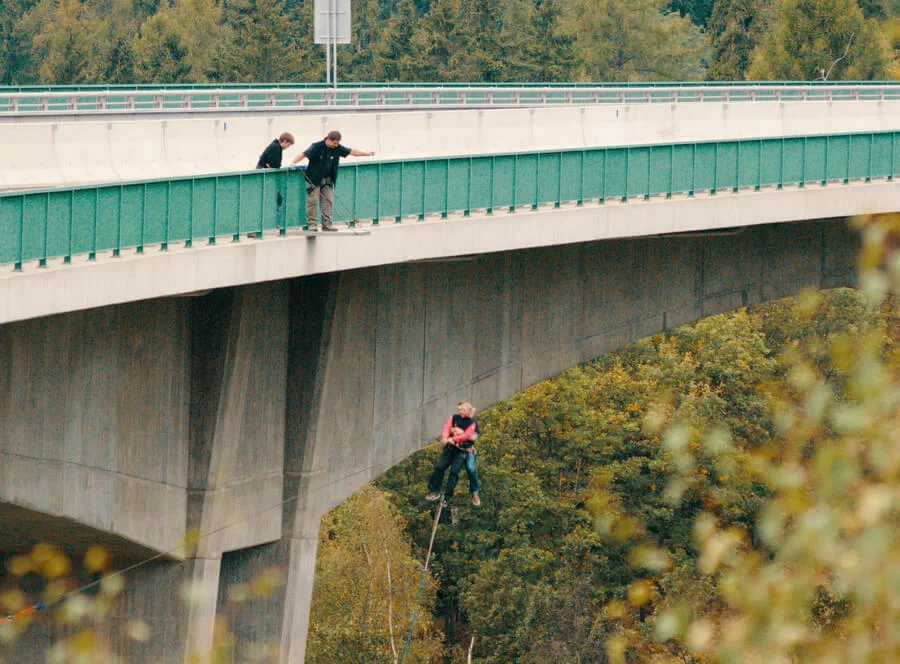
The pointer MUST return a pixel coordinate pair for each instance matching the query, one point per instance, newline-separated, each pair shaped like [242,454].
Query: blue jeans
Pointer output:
[454,459]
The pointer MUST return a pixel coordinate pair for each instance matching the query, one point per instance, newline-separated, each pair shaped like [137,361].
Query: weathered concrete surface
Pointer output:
[78,151]
[60,288]
[250,411]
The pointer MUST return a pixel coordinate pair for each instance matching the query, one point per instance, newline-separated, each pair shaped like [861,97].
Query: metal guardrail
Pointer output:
[61,223]
[116,100]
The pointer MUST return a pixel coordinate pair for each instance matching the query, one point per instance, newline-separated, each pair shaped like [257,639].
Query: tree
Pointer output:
[437,40]
[698,10]
[366,588]
[270,42]
[393,55]
[734,29]
[361,62]
[64,44]
[15,43]
[160,53]
[549,51]
[203,57]
[816,39]
[619,40]
[808,579]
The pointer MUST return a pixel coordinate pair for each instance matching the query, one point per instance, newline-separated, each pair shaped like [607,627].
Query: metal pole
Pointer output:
[328,62]
[332,37]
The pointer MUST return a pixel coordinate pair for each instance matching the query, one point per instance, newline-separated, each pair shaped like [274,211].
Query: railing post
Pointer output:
[715,180]
[399,216]
[117,250]
[649,172]
[18,264]
[446,190]
[424,190]
[43,260]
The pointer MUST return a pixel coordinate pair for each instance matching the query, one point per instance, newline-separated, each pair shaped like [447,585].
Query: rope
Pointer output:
[437,519]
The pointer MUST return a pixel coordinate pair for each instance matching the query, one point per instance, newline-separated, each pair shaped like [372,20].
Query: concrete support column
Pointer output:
[238,384]
[300,568]
[203,581]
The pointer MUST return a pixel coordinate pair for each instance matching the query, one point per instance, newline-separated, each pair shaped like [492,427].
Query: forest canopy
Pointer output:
[59,42]
[726,491]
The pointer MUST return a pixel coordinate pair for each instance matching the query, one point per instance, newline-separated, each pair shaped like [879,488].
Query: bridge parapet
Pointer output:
[29,101]
[60,224]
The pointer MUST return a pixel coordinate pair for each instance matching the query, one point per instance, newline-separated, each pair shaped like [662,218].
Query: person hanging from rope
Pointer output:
[459,435]
[321,174]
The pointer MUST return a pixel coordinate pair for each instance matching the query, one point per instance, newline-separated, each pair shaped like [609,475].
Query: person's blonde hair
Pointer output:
[470,409]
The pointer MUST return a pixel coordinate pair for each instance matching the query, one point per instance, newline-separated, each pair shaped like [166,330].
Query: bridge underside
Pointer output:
[247,413]
[24,528]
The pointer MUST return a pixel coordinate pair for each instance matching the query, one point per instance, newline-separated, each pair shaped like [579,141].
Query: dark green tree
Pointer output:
[819,39]
[437,41]
[160,52]
[16,64]
[699,11]
[549,51]
[634,40]
[393,54]
[358,58]
[269,42]
[734,29]
[64,41]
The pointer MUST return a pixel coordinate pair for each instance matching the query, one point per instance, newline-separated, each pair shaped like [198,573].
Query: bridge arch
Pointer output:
[264,405]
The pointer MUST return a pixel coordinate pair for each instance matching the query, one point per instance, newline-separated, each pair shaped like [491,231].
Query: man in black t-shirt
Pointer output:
[321,174]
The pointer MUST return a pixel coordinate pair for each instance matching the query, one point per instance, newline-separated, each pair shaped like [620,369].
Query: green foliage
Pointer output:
[816,39]
[366,588]
[594,543]
[15,41]
[160,50]
[64,41]
[270,41]
[698,10]
[634,40]
[548,52]
[393,55]
[735,27]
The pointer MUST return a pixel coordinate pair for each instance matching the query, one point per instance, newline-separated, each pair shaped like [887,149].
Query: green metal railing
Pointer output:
[38,226]
[37,101]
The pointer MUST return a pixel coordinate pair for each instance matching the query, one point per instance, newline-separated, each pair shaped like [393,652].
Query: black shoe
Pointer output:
[329,229]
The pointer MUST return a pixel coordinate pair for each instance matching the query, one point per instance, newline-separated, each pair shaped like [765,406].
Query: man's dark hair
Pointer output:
[287,136]
[334,135]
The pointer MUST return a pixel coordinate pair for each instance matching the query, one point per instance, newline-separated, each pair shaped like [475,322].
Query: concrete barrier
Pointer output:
[68,153]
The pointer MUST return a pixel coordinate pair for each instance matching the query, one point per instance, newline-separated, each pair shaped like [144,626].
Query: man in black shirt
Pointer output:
[321,174]
[271,156]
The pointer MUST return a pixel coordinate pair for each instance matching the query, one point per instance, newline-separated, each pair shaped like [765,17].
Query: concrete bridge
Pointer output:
[165,375]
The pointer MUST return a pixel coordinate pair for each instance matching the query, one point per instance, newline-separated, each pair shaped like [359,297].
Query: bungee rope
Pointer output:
[412,623]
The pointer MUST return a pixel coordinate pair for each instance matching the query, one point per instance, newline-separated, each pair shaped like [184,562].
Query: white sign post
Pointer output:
[331,26]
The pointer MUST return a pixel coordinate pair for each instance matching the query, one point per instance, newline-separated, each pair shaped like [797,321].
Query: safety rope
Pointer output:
[437,518]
